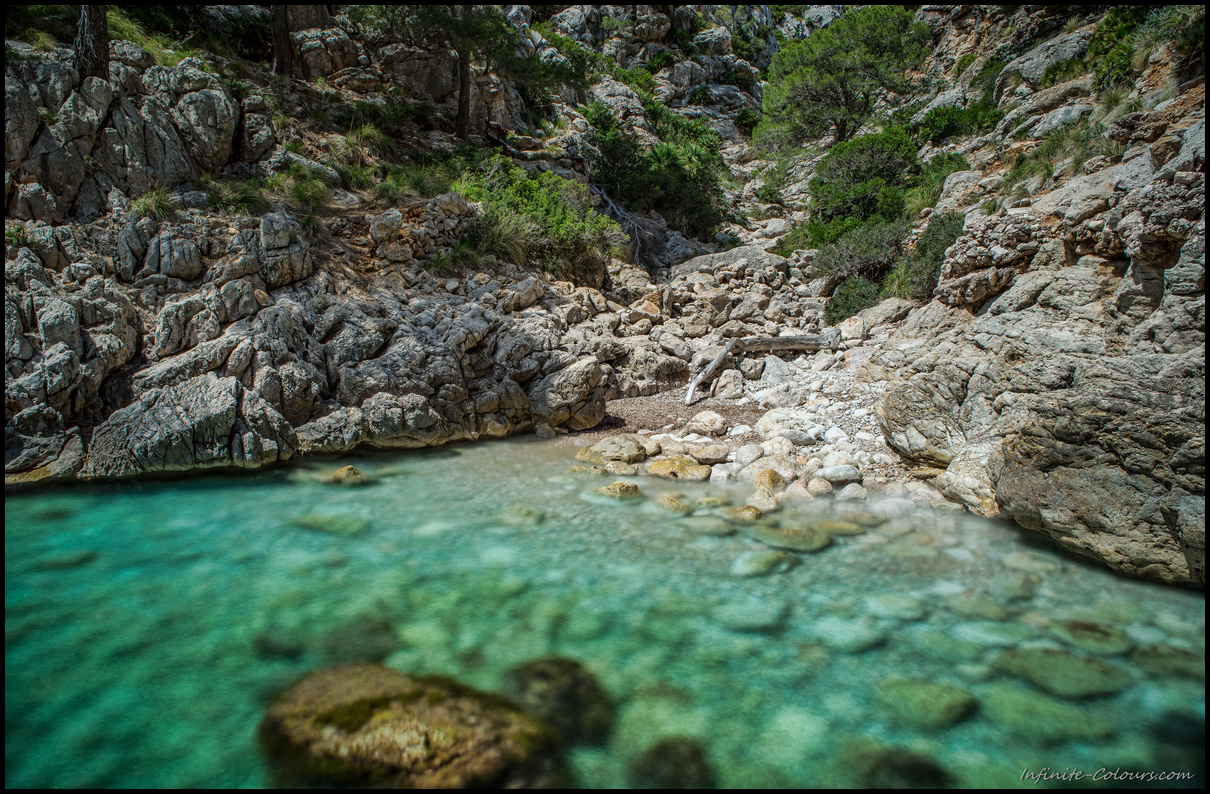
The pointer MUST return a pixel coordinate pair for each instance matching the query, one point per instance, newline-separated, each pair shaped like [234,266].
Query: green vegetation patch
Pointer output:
[915,274]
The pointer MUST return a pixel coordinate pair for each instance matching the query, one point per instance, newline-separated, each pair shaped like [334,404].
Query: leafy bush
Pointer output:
[963,63]
[679,178]
[165,51]
[849,298]
[747,119]
[660,61]
[16,235]
[158,204]
[393,116]
[942,123]
[1110,49]
[867,251]
[860,179]
[368,141]
[546,219]
[640,80]
[915,274]
[584,64]
[769,194]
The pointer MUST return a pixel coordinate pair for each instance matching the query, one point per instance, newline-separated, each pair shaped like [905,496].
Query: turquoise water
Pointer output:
[147,625]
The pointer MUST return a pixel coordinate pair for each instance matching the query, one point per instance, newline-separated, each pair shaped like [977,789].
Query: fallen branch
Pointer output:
[752,344]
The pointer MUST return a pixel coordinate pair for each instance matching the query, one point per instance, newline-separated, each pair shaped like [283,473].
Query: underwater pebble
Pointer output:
[898,607]
[992,634]
[848,635]
[752,614]
[763,563]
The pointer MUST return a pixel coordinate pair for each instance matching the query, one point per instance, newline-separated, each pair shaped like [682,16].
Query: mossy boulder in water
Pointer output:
[1094,638]
[1164,660]
[333,525]
[746,513]
[350,475]
[805,540]
[836,527]
[621,490]
[679,467]
[563,693]
[677,762]
[878,766]
[1040,718]
[674,505]
[924,704]
[368,725]
[1063,673]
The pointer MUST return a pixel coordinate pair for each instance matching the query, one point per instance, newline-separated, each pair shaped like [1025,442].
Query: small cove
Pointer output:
[148,624]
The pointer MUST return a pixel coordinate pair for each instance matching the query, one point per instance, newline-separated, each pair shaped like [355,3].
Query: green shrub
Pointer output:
[768,194]
[679,178]
[417,180]
[308,194]
[16,235]
[166,52]
[1063,71]
[702,95]
[850,297]
[860,179]
[915,274]
[640,80]
[393,116]
[660,61]
[747,119]
[158,204]
[963,63]
[368,141]
[545,219]
[868,251]
[942,123]
[238,198]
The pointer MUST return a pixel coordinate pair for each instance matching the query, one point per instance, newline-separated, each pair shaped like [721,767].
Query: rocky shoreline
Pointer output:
[1055,379]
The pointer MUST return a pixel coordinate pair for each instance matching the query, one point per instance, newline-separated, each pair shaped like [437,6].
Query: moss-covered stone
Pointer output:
[1094,638]
[708,525]
[803,540]
[924,705]
[564,694]
[746,514]
[333,525]
[868,520]
[621,490]
[351,475]
[712,501]
[1165,660]
[878,766]
[677,762]
[679,467]
[1040,718]
[836,527]
[1062,672]
[674,505]
[763,563]
[365,724]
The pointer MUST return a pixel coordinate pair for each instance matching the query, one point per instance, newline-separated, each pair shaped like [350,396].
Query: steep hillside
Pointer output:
[1001,247]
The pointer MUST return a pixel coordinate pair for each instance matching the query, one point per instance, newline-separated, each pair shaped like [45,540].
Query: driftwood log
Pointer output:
[767,344]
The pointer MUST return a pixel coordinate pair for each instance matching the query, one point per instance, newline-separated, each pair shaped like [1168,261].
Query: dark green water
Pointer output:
[148,625]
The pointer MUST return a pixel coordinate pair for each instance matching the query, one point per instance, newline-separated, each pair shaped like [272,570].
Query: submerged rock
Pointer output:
[836,527]
[1063,673]
[1095,638]
[878,767]
[333,525]
[677,762]
[1039,718]
[924,705]
[365,724]
[792,539]
[763,563]
[621,490]
[1164,660]
[350,475]
[563,693]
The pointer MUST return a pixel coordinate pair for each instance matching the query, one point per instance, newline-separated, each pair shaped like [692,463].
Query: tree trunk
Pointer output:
[283,47]
[829,339]
[462,127]
[92,43]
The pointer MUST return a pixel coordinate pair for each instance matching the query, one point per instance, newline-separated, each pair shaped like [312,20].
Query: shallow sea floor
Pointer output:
[148,625]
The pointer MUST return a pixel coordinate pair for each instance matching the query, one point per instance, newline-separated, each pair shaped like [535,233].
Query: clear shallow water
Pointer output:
[148,625]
